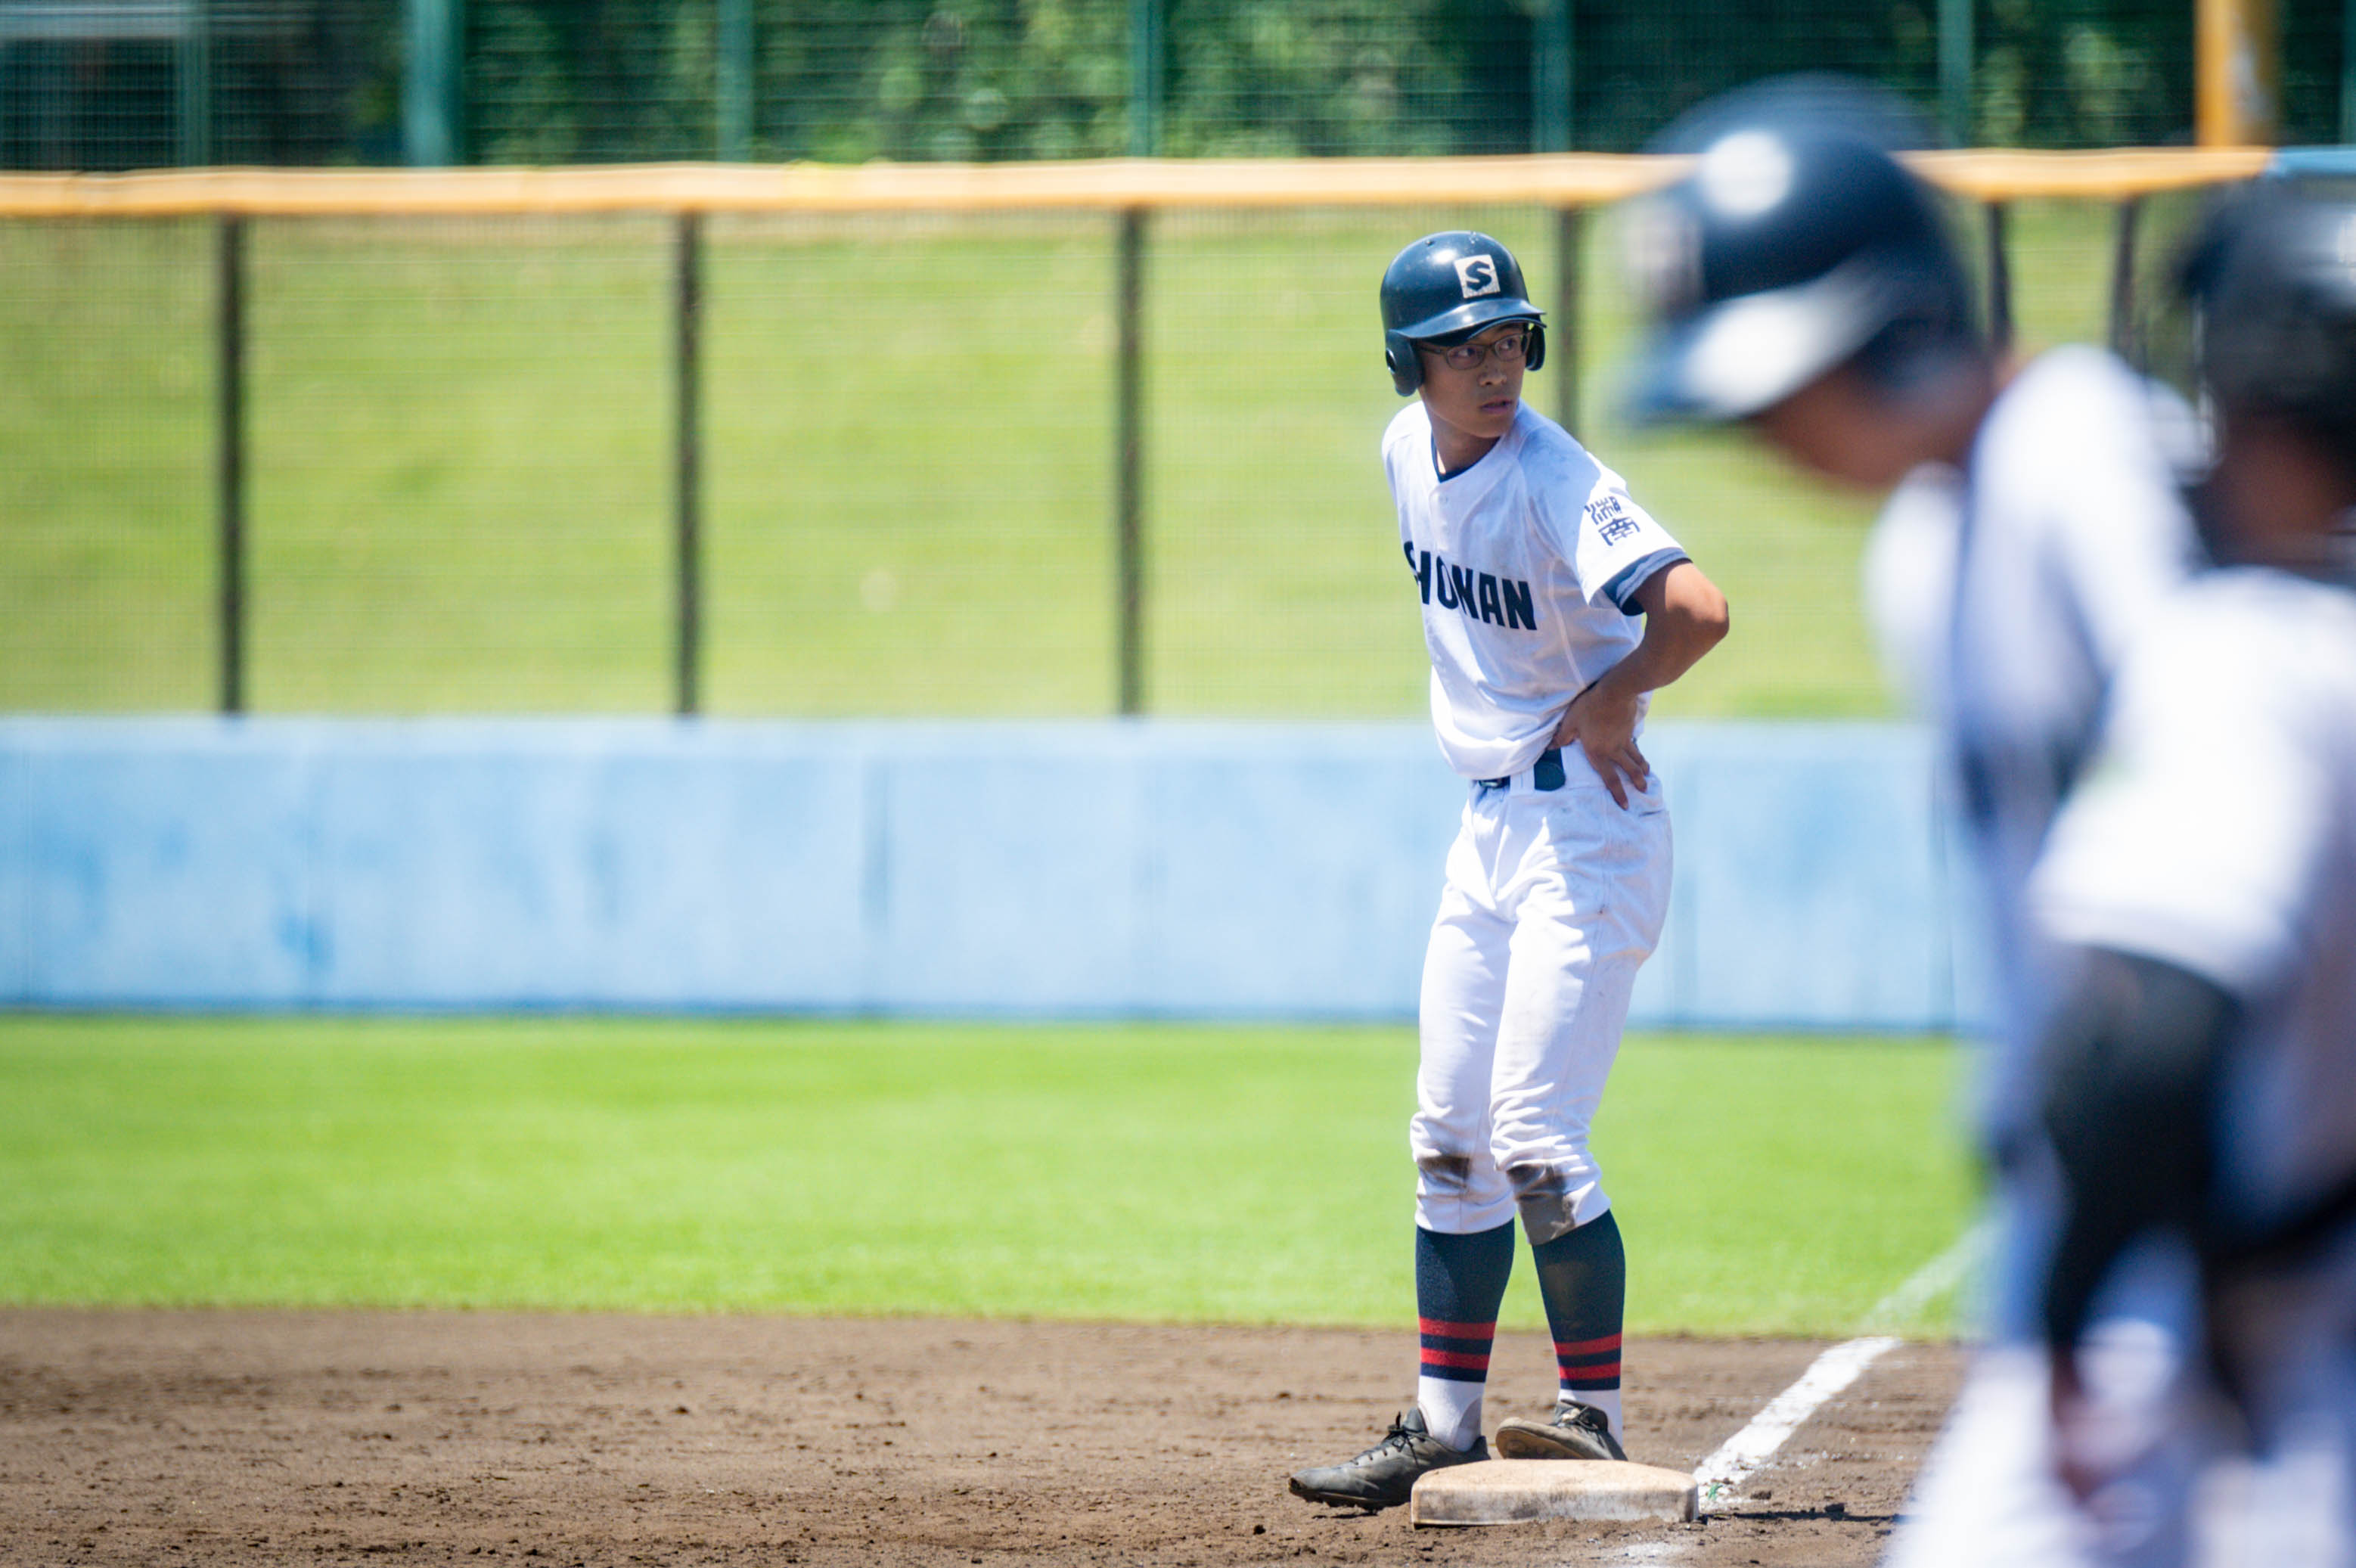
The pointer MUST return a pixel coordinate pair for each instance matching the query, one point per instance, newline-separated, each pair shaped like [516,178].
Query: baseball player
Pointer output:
[1531,566]
[1804,284]
[2199,1078]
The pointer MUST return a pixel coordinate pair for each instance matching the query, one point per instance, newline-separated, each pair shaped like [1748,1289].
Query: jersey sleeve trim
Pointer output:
[1621,589]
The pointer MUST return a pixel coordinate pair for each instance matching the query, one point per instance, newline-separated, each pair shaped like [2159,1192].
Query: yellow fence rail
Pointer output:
[1568,179]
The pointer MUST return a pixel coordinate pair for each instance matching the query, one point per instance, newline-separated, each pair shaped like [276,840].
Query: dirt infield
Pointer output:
[211,1437]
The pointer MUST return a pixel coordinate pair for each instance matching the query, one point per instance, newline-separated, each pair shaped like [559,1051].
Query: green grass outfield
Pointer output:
[460,490]
[1145,1172]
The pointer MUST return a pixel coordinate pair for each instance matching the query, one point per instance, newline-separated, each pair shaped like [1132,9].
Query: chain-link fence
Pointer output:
[110,84]
[457,468]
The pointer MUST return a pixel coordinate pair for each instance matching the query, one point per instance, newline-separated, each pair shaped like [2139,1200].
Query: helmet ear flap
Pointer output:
[1534,356]
[1406,366]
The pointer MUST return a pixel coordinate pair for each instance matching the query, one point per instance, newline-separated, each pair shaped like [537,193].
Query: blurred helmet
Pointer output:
[1444,288]
[1796,244]
[2273,277]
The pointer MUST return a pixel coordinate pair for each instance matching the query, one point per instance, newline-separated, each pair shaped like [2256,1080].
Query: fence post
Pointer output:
[2000,278]
[1562,340]
[434,31]
[687,311]
[2236,72]
[229,452]
[2348,72]
[1955,56]
[1145,77]
[733,84]
[2122,259]
[1551,79]
[1129,442]
[192,95]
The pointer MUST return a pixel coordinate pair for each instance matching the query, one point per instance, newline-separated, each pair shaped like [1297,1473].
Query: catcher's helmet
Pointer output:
[2273,276]
[1446,287]
[1796,244]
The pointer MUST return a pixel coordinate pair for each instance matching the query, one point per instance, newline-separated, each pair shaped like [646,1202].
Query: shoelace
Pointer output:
[1396,1437]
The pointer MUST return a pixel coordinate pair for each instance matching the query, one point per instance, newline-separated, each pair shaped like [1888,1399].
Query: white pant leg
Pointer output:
[2291,1503]
[1589,891]
[1458,1190]
[1988,1497]
[1987,1494]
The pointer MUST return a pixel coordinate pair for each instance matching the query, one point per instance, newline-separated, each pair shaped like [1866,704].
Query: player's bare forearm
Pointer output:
[1684,617]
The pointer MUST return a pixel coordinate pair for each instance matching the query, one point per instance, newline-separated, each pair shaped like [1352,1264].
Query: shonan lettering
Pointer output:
[1476,596]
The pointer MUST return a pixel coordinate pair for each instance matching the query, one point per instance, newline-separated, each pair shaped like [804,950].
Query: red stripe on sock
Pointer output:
[1586,1347]
[1434,1327]
[1464,1358]
[1582,1377]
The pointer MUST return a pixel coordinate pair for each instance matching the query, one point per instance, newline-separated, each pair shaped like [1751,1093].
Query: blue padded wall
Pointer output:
[1071,869]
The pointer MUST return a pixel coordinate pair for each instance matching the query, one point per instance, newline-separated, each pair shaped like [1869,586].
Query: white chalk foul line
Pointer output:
[1832,1371]
[1934,1279]
[1718,1475]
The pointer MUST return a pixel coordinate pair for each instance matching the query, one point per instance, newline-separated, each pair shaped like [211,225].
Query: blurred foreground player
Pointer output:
[1804,284]
[1532,566]
[2201,1079]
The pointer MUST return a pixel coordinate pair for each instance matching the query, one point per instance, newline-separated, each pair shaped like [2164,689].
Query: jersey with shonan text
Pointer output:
[2215,830]
[1527,564]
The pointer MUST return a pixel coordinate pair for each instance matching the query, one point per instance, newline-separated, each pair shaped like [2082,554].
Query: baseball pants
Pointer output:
[1988,1495]
[1553,899]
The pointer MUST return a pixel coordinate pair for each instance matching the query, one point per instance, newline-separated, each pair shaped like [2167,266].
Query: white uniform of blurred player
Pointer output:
[2227,849]
[2198,1081]
[1805,285]
[2072,534]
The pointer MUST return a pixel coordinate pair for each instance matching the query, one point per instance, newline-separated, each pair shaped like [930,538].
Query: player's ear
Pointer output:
[1405,365]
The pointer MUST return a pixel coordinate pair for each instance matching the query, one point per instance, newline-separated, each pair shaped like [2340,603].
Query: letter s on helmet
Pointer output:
[1444,288]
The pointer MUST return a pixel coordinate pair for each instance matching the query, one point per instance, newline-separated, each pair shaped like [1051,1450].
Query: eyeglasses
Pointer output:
[1510,348]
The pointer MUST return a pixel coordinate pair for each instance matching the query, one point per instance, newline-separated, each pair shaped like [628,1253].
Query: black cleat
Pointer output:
[1384,1476]
[1576,1431]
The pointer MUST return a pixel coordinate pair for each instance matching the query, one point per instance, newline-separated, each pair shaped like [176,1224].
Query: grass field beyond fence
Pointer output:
[460,466]
[1138,1172]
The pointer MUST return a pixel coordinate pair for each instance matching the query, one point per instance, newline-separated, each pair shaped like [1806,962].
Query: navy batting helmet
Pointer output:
[2272,275]
[1446,287]
[1796,244]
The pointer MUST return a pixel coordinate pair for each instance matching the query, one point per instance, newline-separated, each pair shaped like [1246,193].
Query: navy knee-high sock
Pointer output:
[1460,1283]
[1583,1278]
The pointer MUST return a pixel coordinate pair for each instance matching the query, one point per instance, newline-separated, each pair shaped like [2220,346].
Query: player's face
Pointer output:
[1837,427]
[1472,405]
[2276,495]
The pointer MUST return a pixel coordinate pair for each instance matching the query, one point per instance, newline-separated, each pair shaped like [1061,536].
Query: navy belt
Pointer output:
[1544,774]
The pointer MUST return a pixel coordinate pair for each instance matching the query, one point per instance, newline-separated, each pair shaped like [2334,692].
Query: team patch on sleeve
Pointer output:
[1612,519]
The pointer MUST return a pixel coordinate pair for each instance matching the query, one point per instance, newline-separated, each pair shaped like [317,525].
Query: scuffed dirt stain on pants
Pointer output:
[1446,1175]
[1543,1194]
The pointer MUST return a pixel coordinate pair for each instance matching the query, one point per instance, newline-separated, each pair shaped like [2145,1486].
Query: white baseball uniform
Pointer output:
[2216,832]
[1527,564]
[2071,533]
